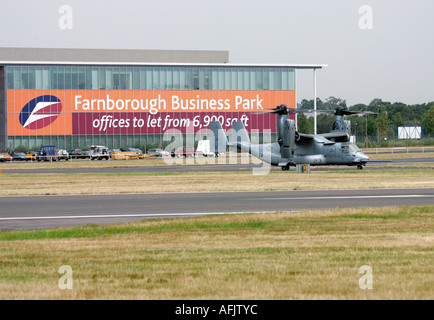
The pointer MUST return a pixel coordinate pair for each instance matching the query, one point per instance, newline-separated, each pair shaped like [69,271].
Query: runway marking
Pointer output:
[348,197]
[138,215]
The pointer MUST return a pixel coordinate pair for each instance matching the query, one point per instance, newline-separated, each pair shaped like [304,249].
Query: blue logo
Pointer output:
[40,112]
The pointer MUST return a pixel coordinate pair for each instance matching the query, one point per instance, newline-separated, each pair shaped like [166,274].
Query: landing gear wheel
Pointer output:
[360,167]
[285,168]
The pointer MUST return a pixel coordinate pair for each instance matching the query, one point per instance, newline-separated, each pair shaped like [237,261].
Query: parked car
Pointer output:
[62,154]
[78,154]
[48,153]
[31,155]
[157,152]
[5,157]
[138,152]
[183,152]
[18,156]
[99,153]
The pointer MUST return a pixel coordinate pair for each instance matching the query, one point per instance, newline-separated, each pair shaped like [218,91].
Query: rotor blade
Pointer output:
[266,110]
[279,109]
[309,111]
[338,111]
[348,112]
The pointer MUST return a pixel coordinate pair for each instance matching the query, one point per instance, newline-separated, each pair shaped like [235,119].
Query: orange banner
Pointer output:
[49,112]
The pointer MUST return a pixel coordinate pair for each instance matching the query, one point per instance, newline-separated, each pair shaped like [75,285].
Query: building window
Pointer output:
[149,78]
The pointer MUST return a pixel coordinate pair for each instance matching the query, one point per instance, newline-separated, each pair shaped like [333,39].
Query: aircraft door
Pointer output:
[331,156]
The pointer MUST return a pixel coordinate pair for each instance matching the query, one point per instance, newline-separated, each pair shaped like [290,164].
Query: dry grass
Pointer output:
[49,184]
[391,156]
[292,255]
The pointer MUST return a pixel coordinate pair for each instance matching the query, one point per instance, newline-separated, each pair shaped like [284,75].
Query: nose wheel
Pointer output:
[360,167]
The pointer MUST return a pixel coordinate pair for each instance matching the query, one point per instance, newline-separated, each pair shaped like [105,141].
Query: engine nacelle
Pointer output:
[288,139]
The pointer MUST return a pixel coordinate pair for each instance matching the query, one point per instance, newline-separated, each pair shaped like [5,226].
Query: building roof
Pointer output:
[127,57]
[45,55]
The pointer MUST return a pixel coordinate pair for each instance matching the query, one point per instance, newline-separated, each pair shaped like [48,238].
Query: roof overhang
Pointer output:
[171,64]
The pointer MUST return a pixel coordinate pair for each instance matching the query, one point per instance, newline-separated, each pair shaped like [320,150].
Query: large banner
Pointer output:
[84,112]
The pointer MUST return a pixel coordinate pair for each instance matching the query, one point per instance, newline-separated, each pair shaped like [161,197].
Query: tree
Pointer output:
[428,121]
[376,101]
[303,124]
[359,107]
[397,120]
[324,123]
[371,126]
[331,103]
[308,104]
[382,123]
[358,125]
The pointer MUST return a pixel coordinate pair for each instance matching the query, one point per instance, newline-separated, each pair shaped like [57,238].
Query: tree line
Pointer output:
[384,123]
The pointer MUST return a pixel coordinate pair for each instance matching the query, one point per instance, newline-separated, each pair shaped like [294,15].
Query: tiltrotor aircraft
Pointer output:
[292,147]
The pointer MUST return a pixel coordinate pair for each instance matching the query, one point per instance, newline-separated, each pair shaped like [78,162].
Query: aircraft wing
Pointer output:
[334,135]
[304,137]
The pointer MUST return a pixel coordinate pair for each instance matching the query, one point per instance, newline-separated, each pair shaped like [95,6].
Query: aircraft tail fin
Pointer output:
[239,133]
[218,140]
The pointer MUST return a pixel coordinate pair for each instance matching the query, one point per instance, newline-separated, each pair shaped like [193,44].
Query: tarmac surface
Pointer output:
[216,167]
[35,212]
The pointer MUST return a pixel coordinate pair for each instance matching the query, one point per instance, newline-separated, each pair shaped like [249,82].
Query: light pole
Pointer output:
[314,100]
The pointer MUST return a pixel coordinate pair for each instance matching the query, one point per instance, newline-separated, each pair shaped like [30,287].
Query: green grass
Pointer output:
[91,231]
[399,213]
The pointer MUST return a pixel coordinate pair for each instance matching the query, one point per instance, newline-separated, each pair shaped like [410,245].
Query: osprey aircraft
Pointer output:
[292,147]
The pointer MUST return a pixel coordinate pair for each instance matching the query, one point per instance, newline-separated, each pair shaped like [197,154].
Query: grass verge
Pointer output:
[53,184]
[286,255]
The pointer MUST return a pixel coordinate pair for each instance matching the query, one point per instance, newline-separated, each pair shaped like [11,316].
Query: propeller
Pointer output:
[339,111]
[282,109]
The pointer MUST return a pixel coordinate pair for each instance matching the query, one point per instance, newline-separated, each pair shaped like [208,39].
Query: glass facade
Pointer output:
[212,79]
[149,78]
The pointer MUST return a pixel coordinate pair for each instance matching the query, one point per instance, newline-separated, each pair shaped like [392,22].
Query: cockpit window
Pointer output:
[354,148]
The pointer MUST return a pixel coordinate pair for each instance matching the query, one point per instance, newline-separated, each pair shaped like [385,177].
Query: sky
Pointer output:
[372,48]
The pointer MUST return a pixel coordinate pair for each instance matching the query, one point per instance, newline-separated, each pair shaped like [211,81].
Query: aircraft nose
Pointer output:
[362,157]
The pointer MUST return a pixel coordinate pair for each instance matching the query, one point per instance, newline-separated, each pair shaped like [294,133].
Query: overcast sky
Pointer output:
[373,48]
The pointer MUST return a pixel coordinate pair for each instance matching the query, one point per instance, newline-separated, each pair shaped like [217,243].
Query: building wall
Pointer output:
[77,106]
[3,110]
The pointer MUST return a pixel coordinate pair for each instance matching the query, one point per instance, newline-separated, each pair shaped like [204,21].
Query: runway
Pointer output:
[34,212]
[216,167]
